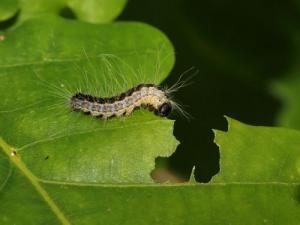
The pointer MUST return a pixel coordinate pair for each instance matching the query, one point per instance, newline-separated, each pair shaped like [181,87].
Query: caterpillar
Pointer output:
[149,96]
[85,95]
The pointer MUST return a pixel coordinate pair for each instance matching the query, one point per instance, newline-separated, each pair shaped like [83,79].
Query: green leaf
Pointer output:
[288,91]
[260,174]
[52,61]
[45,61]
[258,184]
[95,11]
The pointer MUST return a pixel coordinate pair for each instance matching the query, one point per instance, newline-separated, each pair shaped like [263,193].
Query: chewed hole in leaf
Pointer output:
[162,172]
[179,166]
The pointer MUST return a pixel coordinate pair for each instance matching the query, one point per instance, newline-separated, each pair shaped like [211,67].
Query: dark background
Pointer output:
[239,48]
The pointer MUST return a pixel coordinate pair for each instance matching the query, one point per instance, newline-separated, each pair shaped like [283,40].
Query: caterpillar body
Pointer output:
[150,96]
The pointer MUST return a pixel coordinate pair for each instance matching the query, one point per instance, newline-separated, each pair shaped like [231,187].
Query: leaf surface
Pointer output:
[44,62]
[260,169]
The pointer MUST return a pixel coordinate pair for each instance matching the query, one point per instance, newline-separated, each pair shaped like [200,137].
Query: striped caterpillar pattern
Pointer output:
[150,96]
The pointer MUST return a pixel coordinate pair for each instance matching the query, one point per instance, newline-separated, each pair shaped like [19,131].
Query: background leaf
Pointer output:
[8,8]
[288,90]
[95,11]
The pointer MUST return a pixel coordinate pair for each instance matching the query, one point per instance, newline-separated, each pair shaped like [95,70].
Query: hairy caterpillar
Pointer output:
[149,96]
[91,96]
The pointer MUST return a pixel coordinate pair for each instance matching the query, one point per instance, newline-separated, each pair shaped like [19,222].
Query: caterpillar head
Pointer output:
[165,109]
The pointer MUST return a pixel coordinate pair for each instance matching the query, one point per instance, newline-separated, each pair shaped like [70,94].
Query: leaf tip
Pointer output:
[219,133]
[192,179]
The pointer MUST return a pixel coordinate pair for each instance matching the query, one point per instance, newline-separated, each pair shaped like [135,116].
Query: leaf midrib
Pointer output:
[166,185]
[34,181]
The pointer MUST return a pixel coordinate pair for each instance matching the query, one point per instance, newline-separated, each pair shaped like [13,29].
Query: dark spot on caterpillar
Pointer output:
[160,88]
[150,85]
[138,87]
[110,100]
[47,157]
[112,116]
[87,113]
[90,98]
[99,116]
[79,96]
[13,153]
[130,92]
[150,108]
[121,97]
[100,100]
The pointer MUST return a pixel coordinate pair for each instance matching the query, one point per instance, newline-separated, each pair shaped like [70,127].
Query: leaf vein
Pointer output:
[34,181]
[10,171]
